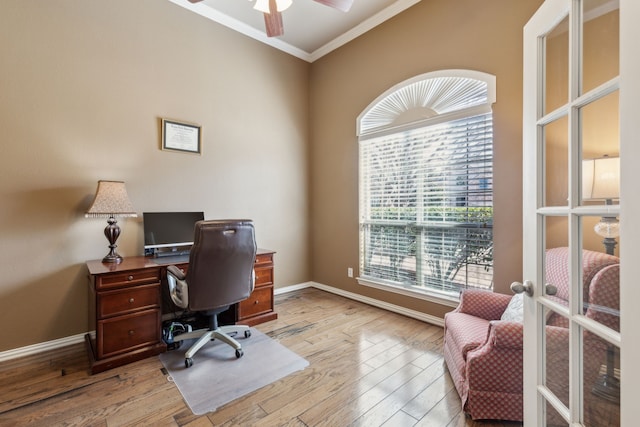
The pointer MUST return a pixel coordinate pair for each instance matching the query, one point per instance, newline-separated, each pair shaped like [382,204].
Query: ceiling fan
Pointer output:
[273,17]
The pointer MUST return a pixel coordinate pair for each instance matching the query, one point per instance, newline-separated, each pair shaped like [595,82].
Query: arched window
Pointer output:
[426,185]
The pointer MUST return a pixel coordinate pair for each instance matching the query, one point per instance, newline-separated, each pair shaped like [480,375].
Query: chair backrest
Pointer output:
[557,269]
[221,264]
[557,273]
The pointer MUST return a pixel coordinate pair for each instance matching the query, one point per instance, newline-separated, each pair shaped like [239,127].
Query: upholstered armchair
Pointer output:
[483,352]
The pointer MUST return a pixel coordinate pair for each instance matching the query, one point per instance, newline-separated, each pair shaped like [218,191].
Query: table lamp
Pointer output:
[111,201]
[601,181]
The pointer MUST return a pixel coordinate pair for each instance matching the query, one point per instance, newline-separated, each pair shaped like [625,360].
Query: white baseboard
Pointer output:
[40,347]
[284,290]
[75,339]
[438,321]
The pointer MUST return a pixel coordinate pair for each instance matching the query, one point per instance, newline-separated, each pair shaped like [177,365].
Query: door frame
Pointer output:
[629,209]
[629,81]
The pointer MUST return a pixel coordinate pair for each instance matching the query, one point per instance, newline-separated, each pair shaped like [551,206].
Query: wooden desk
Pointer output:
[126,307]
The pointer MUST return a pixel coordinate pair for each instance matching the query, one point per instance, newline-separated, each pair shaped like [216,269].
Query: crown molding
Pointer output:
[232,23]
[357,31]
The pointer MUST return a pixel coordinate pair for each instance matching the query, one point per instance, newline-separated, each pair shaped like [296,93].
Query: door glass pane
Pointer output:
[556,88]
[557,355]
[556,234]
[601,393]
[554,419]
[600,151]
[556,148]
[601,37]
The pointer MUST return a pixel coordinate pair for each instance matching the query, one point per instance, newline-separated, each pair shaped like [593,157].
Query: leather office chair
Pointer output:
[220,274]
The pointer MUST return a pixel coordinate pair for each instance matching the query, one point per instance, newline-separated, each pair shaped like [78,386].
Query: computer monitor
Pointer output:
[169,233]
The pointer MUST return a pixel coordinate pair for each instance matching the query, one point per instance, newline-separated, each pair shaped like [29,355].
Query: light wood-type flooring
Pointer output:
[367,367]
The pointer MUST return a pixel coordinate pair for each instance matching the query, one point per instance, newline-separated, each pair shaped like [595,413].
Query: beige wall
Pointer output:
[83,85]
[432,35]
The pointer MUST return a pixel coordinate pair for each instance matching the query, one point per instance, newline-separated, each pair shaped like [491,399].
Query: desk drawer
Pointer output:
[264,276]
[130,278]
[127,300]
[262,259]
[260,301]
[126,333]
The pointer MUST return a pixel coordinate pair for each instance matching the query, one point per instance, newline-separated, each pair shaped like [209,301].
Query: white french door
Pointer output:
[581,72]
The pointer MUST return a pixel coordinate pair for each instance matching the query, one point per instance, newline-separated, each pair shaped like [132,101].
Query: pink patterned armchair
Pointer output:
[484,353]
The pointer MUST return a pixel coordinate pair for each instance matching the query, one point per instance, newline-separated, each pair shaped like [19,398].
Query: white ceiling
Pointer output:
[311,30]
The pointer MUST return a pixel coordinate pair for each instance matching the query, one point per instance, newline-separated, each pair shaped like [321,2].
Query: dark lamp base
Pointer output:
[113,258]
[111,232]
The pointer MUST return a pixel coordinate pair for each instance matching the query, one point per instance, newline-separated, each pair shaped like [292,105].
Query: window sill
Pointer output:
[441,299]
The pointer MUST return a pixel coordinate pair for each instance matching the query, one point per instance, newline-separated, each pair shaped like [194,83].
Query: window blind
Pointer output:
[426,206]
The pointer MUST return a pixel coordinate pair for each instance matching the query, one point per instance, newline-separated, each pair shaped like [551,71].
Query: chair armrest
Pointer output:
[176,272]
[496,365]
[178,288]
[484,304]
[510,334]
[504,334]
[604,297]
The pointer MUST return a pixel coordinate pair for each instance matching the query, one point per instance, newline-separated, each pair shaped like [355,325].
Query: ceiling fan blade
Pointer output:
[195,1]
[273,24]
[273,20]
[343,5]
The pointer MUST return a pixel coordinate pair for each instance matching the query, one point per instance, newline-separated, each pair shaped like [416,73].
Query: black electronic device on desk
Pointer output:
[169,234]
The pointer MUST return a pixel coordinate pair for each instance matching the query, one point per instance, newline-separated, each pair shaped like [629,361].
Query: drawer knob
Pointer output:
[256,302]
[131,332]
[131,300]
[130,278]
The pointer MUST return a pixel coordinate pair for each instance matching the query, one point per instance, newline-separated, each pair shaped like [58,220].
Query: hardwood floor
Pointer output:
[367,367]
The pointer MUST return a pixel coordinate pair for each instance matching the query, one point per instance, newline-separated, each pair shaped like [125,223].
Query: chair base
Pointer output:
[205,335]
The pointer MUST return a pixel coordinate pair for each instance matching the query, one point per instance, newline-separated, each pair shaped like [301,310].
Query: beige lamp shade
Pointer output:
[111,200]
[601,178]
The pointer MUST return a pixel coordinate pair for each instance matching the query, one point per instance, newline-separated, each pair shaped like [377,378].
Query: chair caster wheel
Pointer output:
[239,353]
[188,362]
[247,334]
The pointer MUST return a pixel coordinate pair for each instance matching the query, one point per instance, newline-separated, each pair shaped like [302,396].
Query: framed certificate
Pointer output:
[181,136]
